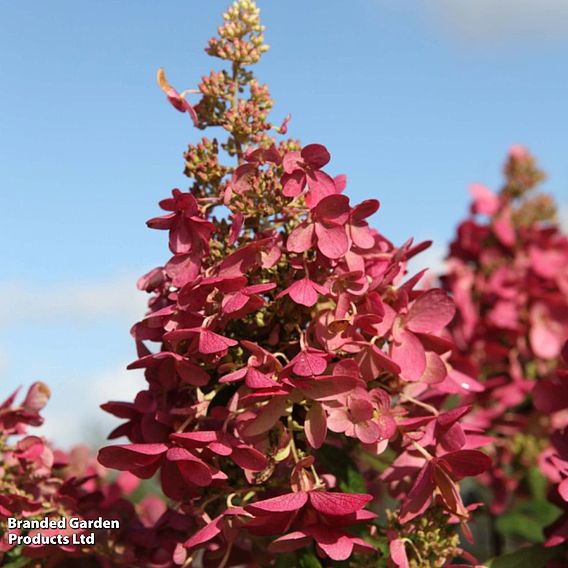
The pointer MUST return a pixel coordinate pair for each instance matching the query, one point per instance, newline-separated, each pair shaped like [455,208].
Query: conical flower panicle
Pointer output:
[283,330]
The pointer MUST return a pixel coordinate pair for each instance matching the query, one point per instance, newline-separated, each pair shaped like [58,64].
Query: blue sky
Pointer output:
[415,100]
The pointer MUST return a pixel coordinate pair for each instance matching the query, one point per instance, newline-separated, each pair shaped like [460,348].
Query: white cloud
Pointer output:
[115,297]
[501,20]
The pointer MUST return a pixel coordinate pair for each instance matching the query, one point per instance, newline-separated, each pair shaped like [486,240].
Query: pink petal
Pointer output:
[465,463]
[334,504]
[191,468]
[195,439]
[300,238]
[387,426]
[210,342]
[291,161]
[545,337]
[336,545]
[435,371]
[449,492]
[236,226]
[563,489]
[458,382]
[485,202]
[420,496]
[220,448]
[37,396]
[368,432]
[453,416]
[316,155]
[241,183]
[267,417]
[293,184]
[260,288]
[453,439]
[549,396]
[361,409]
[431,312]
[141,459]
[338,420]
[270,257]
[192,374]
[373,361]
[340,182]
[289,542]
[321,185]
[364,209]
[362,236]
[208,532]
[281,504]
[398,553]
[408,352]
[303,292]
[333,210]
[128,483]
[175,98]
[547,263]
[325,388]
[237,375]
[258,380]
[332,242]
[315,426]
[307,364]
[234,302]
[249,458]
[183,268]
[359,545]
[504,229]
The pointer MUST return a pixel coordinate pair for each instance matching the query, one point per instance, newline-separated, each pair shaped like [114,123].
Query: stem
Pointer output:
[292,442]
[234,103]
[413,546]
[424,405]
[495,536]
[316,477]
[280,354]
[226,555]
[423,451]
[185,423]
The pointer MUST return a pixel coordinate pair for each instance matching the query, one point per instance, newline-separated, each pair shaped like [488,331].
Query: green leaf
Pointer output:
[17,562]
[538,484]
[527,520]
[341,465]
[285,560]
[532,556]
[308,559]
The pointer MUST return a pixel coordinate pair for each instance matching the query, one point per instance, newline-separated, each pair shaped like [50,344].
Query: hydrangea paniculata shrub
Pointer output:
[508,274]
[296,377]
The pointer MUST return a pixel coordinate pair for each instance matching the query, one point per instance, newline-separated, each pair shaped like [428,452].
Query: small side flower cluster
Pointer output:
[37,481]
[508,274]
[293,371]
